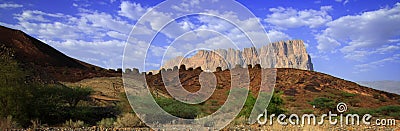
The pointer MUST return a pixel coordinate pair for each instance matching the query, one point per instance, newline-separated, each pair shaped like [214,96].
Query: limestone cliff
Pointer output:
[283,54]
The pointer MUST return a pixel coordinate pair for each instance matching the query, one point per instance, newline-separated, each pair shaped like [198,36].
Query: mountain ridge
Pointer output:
[44,62]
[282,54]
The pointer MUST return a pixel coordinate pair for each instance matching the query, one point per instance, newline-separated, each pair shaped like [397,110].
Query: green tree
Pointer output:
[275,104]
[323,103]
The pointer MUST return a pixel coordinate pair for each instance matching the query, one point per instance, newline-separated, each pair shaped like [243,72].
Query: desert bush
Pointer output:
[379,97]
[236,122]
[36,124]
[7,123]
[214,103]
[248,106]
[106,122]
[178,108]
[353,101]
[346,94]
[27,100]
[290,98]
[323,103]
[363,111]
[392,111]
[275,104]
[128,120]
[74,124]
[124,105]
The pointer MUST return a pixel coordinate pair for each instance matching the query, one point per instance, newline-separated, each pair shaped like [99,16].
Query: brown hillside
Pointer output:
[46,63]
[299,87]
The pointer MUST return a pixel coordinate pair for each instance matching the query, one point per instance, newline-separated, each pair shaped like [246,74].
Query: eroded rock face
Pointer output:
[283,54]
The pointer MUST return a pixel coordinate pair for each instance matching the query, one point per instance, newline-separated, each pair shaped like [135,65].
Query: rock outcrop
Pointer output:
[283,54]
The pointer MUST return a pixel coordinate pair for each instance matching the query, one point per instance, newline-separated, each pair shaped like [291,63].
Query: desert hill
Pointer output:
[46,63]
[298,87]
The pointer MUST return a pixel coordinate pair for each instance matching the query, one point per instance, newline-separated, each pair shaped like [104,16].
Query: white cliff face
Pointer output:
[283,54]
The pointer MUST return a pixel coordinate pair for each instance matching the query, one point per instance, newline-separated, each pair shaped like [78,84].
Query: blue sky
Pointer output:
[351,39]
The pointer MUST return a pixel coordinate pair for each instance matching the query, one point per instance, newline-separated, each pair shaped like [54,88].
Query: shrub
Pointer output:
[323,103]
[178,108]
[390,111]
[346,94]
[248,106]
[74,124]
[106,122]
[275,104]
[214,103]
[379,97]
[128,120]
[291,98]
[7,123]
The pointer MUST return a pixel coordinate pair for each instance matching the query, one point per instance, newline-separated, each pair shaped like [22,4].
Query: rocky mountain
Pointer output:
[282,54]
[45,63]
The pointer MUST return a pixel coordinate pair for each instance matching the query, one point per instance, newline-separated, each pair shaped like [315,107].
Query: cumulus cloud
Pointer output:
[275,36]
[376,64]
[36,15]
[97,37]
[103,53]
[361,35]
[132,10]
[9,5]
[292,18]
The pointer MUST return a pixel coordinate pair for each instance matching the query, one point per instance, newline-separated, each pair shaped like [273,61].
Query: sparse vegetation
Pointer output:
[384,111]
[74,124]
[276,103]
[379,97]
[128,120]
[178,108]
[106,122]
[7,123]
[346,94]
[49,104]
[323,103]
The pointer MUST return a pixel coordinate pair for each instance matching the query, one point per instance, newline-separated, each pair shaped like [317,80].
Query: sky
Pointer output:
[357,40]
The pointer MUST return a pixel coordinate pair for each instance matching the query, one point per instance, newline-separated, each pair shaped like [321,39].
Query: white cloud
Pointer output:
[115,34]
[107,54]
[319,56]
[275,36]
[292,18]
[8,5]
[92,36]
[360,35]
[132,10]
[377,64]
[328,43]
[36,15]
